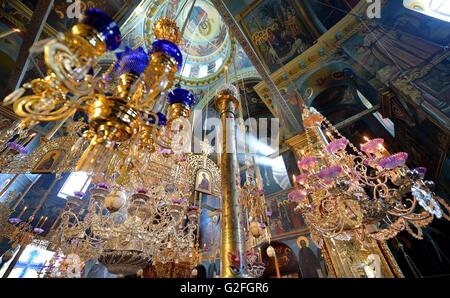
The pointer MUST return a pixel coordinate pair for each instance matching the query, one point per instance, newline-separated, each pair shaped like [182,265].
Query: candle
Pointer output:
[259,255]
[43,223]
[28,139]
[226,74]
[7,33]
[37,225]
[23,211]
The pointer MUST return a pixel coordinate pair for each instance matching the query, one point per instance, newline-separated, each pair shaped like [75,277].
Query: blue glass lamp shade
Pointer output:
[162,119]
[131,61]
[150,118]
[168,48]
[105,25]
[183,96]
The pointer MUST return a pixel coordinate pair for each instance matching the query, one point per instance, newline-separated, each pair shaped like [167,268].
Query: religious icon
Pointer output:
[307,260]
[199,20]
[203,182]
[372,267]
[277,31]
[49,162]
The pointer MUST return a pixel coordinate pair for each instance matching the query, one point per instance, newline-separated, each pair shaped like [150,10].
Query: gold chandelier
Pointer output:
[366,194]
[127,120]
[129,145]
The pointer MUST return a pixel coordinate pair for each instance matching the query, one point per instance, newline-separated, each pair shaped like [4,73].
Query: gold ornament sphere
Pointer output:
[167,29]
[255,229]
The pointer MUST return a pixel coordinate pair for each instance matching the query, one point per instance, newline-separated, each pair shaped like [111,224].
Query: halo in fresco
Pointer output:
[205,32]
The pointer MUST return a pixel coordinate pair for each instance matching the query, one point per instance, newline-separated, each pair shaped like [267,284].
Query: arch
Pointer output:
[287,260]
[328,75]
[201,271]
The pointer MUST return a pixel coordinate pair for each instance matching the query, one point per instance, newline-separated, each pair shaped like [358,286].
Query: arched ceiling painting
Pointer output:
[207,46]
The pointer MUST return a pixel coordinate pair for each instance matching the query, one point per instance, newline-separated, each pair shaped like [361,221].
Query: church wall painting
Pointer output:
[276,30]
[310,261]
[286,258]
[435,86]
[389,49]
[203,181]
[404,43]
[444,179]
[284,220]
[49,161]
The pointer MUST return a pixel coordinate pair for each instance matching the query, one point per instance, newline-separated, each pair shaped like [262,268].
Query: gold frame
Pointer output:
[196,186]
[55,164]
[292,233]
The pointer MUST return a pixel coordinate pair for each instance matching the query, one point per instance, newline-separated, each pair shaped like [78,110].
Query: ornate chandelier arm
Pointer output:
[421,219]
[402,212]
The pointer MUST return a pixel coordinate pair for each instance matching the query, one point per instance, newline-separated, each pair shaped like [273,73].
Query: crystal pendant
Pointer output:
[95,159]
[78,146]
[425,199]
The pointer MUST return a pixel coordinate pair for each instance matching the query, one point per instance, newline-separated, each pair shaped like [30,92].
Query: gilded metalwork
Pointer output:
[167,29]
[233,241]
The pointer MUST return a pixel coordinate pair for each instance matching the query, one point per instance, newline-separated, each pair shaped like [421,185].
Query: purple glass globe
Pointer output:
[183,96]
[105,25]
[14,220]
[38,231]
[17,147]
[170,49]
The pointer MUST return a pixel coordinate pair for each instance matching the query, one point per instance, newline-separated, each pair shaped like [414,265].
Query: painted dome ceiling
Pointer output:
[206,43]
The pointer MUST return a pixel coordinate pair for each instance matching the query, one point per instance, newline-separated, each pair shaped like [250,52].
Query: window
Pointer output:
[77,181]
[32,260]
[203,72]
[186,70]
[439,9]
[219,63]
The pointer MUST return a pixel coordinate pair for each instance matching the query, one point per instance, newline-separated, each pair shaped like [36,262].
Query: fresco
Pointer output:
[276,31]
[445,175]
[329,12]
[242,60]
[403,42]
[210,224]
[205,32]
[436,86]
[284,219]
[206,44]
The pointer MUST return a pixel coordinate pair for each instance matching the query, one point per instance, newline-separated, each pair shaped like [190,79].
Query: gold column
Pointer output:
[233,240]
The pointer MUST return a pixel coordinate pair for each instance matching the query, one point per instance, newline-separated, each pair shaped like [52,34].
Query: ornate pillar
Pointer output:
[233,241]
